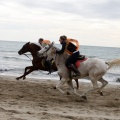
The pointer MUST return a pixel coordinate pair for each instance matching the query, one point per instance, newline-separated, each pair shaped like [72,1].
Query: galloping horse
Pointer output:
[37,61]
[93,68]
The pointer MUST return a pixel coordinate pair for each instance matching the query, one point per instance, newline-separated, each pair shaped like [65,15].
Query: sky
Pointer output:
[91,22]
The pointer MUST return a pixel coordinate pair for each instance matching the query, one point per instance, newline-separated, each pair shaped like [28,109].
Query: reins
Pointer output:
[46,50]
[29,51]
[27,56]
[55,56]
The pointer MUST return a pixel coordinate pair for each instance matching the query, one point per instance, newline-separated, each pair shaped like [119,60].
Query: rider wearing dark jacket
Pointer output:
[73,57]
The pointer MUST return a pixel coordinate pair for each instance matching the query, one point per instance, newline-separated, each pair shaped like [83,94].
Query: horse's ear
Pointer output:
[52,43]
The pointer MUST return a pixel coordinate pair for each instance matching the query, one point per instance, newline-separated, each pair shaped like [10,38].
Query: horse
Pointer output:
[93,68]
[38,63]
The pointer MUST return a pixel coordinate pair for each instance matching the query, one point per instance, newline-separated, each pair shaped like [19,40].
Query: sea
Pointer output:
[13,64]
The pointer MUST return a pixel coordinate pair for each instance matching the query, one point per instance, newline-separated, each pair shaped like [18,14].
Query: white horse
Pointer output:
[93,68]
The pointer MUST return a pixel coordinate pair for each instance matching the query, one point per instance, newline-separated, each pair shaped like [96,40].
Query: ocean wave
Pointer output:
[103,58]
[4,51]
[15,58]
[10,69]
[113,74]
[111,78]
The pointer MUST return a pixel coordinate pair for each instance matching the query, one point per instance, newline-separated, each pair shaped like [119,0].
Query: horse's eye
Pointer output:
[46,47]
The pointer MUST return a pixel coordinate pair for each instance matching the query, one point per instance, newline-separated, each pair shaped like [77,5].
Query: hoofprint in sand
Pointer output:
[34,99]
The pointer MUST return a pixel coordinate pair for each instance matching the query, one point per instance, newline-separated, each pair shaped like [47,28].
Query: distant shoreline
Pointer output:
[58,44]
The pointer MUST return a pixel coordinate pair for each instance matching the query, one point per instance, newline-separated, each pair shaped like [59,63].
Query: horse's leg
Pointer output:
[60,79]
[77,83]
[104,83]
[26,72]
[70,84]
[24,76]
[61,83]
[95,86]
[29,67]
[76,80]
[73,90]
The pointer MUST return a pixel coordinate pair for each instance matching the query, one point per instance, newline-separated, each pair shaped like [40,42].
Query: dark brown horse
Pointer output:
[38,63]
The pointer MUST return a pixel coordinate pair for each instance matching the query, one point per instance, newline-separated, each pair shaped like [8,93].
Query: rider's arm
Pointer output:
[63,48]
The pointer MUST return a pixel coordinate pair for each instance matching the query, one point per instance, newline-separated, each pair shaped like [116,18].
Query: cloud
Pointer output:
[108,10]
[88,21]
[104,9]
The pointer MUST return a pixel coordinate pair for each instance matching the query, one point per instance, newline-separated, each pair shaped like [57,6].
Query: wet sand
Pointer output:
[33,99]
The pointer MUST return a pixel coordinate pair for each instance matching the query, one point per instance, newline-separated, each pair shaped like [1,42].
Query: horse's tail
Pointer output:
[112,63]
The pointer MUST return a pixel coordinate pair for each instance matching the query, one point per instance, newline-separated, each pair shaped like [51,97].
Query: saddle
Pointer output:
[81,58]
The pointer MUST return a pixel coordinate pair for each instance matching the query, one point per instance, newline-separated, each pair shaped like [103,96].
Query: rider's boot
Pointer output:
[49,66]
[75,70]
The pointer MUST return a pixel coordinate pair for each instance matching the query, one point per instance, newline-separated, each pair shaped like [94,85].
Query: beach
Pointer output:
[34,99]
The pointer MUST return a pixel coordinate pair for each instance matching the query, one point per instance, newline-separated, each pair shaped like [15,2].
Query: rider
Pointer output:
[43,42]
[48,62]
[72,49]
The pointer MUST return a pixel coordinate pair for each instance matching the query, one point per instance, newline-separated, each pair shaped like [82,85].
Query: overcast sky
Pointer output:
[92,22]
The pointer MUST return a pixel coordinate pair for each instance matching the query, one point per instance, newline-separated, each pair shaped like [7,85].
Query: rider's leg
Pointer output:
[49,66]
[74,69]
[70,63]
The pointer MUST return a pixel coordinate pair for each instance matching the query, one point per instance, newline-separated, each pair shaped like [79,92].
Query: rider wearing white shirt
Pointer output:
[43,43]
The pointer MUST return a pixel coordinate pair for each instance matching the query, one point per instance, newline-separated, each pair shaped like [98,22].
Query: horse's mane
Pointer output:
[38,44]
[65,55]
[56,47]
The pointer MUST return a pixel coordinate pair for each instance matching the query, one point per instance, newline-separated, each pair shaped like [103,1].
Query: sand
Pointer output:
[34,99]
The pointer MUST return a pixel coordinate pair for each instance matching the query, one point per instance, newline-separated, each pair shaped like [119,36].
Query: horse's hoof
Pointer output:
[17,78]
[101,93]
[84,97]
[54,87]
[24,78]
[68,93]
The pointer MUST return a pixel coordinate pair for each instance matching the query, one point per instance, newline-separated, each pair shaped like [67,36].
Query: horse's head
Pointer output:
[42,52]
[47,51]
[29,47]
[24,49]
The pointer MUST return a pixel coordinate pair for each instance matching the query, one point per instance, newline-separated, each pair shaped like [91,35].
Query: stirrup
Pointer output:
[76,75]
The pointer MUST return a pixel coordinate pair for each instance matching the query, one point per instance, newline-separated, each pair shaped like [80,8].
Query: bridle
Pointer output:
[45,52]
[27,56]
